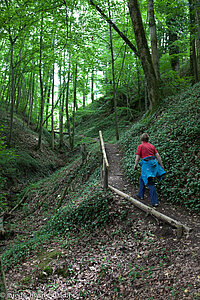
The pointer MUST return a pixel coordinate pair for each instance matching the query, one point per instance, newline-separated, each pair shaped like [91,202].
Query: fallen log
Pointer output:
[180,227]
[18,204]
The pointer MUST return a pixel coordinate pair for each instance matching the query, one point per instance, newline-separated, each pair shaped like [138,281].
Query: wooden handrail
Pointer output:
[103,149]
[180,227]
[105,162]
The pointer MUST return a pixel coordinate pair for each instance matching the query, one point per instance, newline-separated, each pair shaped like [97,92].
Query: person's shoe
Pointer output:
[155,205]
[141,198]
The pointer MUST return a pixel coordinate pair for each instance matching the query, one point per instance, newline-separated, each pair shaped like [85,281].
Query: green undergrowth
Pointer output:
[174,130]
[85,207]
[91,211]
[98,116]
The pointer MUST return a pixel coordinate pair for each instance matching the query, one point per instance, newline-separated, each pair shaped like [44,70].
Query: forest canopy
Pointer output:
[57,56]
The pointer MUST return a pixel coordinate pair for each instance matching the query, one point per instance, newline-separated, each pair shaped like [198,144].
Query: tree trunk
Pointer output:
[145,57]
[84,96]
[67,107]
[92,85]
[31,99]
[74,104]
[41,87]
[12,94]
[193,57]
[113,76]
[139,85]
[153,37]
[197,18]
[61,113]
[48,100]
[19,92]
[52,111]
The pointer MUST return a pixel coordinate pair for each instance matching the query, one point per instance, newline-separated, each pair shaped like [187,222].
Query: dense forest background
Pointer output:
[58,56]
[67,70]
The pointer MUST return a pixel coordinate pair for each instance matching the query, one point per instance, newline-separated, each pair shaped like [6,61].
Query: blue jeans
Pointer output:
[152,190]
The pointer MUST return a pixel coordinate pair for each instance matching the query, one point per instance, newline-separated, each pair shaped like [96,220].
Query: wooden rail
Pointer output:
[105,162]
[180,227]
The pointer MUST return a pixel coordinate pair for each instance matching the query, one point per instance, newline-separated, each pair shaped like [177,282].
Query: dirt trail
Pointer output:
[117,179]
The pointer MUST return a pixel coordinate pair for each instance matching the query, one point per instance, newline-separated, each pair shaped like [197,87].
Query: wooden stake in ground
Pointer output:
[3,289]
[105,162]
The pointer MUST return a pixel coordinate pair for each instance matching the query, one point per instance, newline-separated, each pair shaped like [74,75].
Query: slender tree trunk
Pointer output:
[41,87]
[3,85]
[113,76]
[92,85]
[67,107]
[52,111]
[19,75]
[31,99]
[26,92]
[61,110]
[197,18]
[153,37]
[48,100]
[12,90]
[84,95]
[145,57]
[61,142]
[74,104]
[193,57]
[19,92]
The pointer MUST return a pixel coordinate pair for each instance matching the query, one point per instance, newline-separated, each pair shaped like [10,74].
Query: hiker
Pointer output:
[151,167]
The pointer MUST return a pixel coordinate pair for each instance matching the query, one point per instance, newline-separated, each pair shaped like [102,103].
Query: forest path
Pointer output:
[117,179]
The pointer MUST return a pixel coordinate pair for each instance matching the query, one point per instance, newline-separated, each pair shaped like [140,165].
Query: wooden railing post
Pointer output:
[105,181]
[105,166]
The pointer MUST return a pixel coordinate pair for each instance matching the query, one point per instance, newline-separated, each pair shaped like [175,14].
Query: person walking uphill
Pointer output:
[151,167]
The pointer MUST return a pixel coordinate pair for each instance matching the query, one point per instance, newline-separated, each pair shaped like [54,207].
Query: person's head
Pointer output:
[144,137]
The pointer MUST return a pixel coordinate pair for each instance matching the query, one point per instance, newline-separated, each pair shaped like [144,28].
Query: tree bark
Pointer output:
[67,107]
[12,90]
[92,86]
[74,104]
[84,95]
[193,57]
[145,57]
[197,18]
[173,48]
[61,113]
[153,37]
[41,87]
[48,100]
[113,77]
[52,111]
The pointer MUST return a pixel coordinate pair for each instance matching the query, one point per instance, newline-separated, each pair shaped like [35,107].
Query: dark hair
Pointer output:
[144,137]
